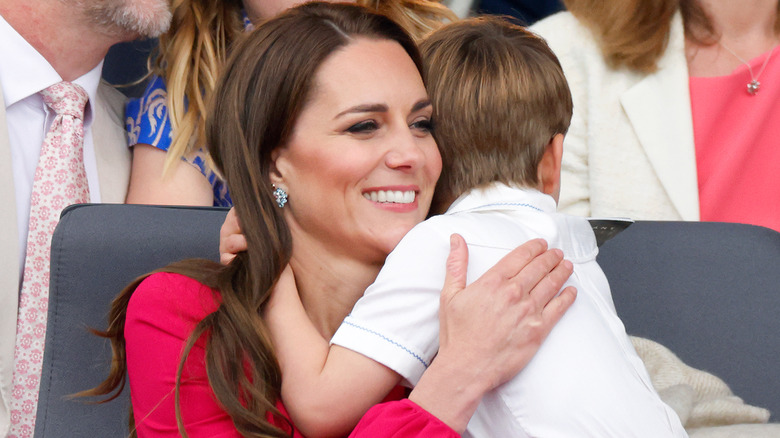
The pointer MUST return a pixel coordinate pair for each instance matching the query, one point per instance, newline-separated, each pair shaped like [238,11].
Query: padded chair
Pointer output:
[97,249]
[710,292]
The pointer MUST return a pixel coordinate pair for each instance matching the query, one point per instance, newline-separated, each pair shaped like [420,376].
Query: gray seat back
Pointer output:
[710,292]
[97,249]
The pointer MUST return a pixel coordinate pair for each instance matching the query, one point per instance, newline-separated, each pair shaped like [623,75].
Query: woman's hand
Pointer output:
[231,240]
[490,330]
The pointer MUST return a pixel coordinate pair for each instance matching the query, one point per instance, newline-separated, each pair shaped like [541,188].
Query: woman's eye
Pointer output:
[363,127]
[425,125]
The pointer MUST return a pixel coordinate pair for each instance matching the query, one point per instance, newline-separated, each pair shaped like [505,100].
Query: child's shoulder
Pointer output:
[431,238]
[435,230]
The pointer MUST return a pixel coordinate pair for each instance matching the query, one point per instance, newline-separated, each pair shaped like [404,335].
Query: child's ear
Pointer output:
[549,170]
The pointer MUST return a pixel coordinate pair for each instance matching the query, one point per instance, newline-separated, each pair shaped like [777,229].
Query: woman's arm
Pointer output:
[401,419]
[149,134]
[161,315]
[327,389]
[183,185]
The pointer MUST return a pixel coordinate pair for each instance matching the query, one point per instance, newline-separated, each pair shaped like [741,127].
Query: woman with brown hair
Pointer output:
[674,108]
[171,164]
[332,119]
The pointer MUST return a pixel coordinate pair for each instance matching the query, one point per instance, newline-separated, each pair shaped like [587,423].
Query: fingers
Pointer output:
[534,273]
[552,281]
[457,267]
[514,262]
[523,269]
[230,246]
[230,226]
[231,241]
[555,309]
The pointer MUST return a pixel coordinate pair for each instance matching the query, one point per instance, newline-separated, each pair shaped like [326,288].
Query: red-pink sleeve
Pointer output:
[401,419]
[162,313]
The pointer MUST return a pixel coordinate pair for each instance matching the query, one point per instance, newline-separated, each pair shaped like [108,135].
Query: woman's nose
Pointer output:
[405,152]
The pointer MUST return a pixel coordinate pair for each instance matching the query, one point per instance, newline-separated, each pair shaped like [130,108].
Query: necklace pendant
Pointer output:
[753,87]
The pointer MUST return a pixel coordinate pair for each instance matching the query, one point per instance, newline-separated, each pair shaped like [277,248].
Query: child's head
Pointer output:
[500,101]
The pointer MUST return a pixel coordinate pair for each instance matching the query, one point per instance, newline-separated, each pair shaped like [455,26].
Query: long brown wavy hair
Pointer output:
[263,89]
[635,33]
[191,55]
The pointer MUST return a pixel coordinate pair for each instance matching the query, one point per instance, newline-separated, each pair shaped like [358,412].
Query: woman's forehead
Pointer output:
[368,70]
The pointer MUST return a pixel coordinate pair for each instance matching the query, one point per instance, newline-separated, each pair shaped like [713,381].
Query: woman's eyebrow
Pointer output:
[366,108]
[380,108]
[421,104]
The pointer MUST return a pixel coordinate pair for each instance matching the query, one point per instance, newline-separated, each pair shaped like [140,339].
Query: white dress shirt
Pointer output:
[24,73]
[585,381]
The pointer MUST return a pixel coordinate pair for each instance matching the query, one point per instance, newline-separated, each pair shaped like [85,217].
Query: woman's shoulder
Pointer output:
[569,38]
[156,91]
[166,297]
[560,27]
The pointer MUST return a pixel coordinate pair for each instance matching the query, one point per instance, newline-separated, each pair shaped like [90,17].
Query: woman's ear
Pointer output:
[549,170]
[276,171]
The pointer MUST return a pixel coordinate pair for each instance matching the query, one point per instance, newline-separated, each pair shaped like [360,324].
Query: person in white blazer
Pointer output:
[630,149]
[43,44]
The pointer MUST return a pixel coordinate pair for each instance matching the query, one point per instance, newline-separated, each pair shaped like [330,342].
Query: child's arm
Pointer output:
[325,389]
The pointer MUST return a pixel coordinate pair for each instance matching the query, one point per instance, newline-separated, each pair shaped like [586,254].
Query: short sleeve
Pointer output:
[396,322]
[401,419]
[218,185]
[146,118]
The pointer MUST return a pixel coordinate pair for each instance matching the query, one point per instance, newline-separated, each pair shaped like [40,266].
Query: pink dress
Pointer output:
[737,137]
[162,313]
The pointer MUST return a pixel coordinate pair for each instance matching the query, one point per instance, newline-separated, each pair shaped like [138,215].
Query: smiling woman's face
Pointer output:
[361,164]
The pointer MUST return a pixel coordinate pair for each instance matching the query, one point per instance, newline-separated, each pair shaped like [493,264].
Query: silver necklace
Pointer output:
[753,86]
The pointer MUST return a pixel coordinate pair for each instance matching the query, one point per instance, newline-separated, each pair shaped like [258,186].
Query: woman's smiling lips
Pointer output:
[395,198]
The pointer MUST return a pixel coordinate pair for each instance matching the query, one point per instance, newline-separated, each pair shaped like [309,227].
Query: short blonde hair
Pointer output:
[499,96]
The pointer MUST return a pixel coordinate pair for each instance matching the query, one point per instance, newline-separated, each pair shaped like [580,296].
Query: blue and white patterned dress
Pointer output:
[147,122]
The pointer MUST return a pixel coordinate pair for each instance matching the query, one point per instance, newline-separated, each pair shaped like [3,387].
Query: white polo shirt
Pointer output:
[585,381]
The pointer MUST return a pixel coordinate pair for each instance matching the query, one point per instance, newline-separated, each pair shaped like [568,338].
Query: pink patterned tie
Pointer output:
[60,180]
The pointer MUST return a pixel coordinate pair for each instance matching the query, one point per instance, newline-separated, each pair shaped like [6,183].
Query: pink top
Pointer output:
[737,137]
[162,313]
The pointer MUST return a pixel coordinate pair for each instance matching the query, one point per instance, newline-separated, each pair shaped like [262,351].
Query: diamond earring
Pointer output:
[281,196]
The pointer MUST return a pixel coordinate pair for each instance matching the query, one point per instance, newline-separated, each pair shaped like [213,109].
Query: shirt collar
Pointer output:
[500,196]
[30,72]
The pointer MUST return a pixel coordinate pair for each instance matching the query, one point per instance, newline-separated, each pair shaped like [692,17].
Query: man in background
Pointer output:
[49,46]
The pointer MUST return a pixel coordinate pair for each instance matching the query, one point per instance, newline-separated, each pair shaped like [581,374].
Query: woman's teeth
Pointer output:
[395,196]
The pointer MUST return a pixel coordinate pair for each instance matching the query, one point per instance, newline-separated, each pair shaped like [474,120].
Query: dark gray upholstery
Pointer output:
[710,292]
[96,251]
